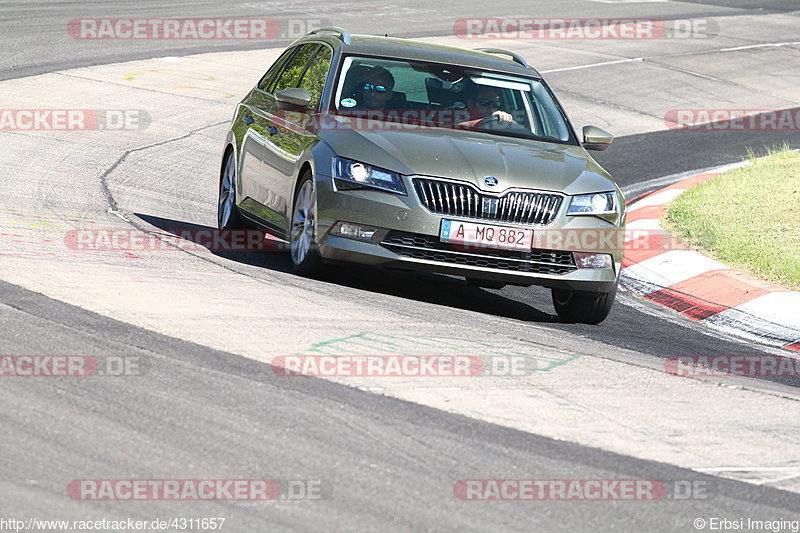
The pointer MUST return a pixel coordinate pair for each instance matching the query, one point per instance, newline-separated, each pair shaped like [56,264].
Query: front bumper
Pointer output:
[412,242]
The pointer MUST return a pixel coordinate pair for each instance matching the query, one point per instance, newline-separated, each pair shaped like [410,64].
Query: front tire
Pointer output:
[305,256]
[583,307]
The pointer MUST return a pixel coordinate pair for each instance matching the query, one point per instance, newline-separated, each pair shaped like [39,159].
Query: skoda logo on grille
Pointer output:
[490,181]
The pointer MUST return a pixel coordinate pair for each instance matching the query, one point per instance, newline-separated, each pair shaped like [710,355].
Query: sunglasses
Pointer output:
[485,102]
[371,87]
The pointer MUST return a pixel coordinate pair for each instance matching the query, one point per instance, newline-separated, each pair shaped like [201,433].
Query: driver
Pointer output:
[485,103]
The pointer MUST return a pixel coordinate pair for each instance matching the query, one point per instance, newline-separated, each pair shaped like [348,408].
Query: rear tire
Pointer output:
[227,211]
[302,233]
[583,307]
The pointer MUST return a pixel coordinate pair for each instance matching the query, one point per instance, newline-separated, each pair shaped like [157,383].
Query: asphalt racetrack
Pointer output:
[203,402]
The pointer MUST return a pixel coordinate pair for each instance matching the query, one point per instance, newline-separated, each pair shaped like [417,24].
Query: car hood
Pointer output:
[472,156]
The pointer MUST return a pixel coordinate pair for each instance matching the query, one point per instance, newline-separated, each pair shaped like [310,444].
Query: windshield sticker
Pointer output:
[348,102]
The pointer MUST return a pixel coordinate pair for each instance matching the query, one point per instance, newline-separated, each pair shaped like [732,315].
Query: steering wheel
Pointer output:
[494,120]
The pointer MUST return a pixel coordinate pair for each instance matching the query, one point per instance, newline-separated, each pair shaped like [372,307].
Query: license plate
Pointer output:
[469,234]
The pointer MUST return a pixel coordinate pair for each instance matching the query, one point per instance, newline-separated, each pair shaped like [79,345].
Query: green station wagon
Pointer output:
[415,156]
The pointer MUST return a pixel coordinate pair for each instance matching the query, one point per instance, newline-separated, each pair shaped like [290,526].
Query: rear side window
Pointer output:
[273,71]
[292,73]
[315,75]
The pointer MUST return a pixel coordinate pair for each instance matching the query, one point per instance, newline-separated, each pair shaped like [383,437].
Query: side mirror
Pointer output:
[296,98]
[595,138]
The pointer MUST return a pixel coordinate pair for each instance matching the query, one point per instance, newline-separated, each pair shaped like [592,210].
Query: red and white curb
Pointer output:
[659,268]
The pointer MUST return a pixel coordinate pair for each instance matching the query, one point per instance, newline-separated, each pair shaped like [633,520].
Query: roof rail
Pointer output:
[344,35]
[515,56]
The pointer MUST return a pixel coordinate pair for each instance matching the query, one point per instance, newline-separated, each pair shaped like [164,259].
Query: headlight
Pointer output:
[364,175]
[604,203]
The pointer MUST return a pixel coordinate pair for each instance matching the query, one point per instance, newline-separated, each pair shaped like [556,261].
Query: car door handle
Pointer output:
[249,120]
[272,130]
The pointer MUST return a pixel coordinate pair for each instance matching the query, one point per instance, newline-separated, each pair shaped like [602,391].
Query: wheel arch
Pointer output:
[231,146]
[304,168]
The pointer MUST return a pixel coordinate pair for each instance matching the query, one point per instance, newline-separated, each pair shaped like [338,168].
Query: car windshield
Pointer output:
[447,96]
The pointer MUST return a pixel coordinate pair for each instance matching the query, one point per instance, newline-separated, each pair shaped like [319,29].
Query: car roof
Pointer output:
[392,47]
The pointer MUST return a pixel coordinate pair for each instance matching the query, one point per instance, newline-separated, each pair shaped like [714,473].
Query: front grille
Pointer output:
[457,199]
[427,247]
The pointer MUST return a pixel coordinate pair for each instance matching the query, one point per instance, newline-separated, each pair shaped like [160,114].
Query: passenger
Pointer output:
[376,89]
